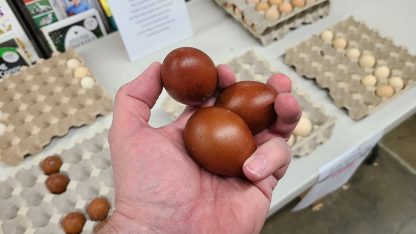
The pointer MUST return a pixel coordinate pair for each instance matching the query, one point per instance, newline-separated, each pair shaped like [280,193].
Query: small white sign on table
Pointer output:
[337,172]
[147,26]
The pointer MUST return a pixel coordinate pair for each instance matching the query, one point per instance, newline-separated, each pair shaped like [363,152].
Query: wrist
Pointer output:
[120,223]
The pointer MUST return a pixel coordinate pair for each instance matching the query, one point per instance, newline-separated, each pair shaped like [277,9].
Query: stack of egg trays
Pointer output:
[26,204]
[268,31]
[250,67]
[332,70]
[45,101]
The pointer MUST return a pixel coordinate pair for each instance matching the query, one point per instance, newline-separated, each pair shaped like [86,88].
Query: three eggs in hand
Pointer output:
[219,138]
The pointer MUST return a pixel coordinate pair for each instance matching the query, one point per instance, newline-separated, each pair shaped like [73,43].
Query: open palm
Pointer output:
[160,189]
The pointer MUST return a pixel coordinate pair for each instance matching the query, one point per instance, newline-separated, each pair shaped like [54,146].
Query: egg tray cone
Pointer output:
[268,31]
[26,204]
[250,67]
[45,101]
[341,76]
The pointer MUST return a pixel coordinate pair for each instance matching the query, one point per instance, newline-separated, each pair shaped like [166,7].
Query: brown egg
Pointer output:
[73,222]
[189,75]
[51,164]
[98,209]
[219,140]
[57,183]
[253,101]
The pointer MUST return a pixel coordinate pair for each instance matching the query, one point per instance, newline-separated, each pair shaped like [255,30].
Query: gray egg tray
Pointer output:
[333,70]
[26,204]
[251,67]
[268,31]
[45,101]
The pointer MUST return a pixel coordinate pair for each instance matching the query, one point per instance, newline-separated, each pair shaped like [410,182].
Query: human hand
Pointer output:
[161,189]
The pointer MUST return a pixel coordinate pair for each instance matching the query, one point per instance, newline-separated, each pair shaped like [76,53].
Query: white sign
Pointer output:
[147,26]
[337,172]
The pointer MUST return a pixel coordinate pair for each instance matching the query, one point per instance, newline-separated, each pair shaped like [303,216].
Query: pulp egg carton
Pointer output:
[26,204]
[45,101]
[268,29]
[251,67]
[332,69]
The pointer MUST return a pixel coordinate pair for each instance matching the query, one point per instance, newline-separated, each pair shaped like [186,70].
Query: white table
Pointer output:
[223,38]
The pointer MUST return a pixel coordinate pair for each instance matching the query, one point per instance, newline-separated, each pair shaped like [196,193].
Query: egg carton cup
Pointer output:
[26,204]
[251,67]
[45,101]
[268,31]
[333,70]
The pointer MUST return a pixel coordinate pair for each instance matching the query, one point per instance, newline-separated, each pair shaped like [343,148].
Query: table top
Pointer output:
[223,39]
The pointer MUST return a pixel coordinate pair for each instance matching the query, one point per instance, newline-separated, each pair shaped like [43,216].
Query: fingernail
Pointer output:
[256,165]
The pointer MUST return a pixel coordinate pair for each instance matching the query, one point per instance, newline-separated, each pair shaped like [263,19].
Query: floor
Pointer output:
[380,198]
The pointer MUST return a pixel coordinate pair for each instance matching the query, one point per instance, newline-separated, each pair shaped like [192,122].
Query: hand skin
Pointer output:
[160,189]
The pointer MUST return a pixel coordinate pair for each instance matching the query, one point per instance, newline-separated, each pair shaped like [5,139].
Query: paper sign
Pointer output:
[147,26]
[337,172]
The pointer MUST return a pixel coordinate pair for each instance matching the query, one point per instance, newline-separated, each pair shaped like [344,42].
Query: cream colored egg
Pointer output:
[87,82]
[367,61]
[298,3]
[285,7]
[275,2]
[369,81]
[327,36]
[73,63]
[396,82]
[385,91]
[3,129]
[80,72]
[340,43]
[291,140]
[382,72]
[353,54]
[303,128]
[262,6]
[272,14]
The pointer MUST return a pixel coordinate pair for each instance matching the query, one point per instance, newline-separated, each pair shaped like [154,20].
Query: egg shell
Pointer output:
[354,53]
[219,140]
[272,14]
[98,209]
[57,183]
[367,61]
[385,91]
[73,222]
[382,72]
[189,75]
[51,164]
[340,43]
[298,3]
[369,80]
[327,36]
[304,127]
[396,82]
[285,7]
[73,63]
[253,101]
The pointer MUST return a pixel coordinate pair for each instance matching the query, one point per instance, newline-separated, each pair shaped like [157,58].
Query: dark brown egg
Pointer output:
[73,222]
[51,164]
[57,183]
[219,140]
[253,101]
[189,75]
[98,209]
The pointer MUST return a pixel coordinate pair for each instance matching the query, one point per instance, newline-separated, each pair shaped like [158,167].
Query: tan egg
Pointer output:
[80,72]
[275,2]
[298,3]
[327,36]
[382,72]
[285,7]
[304,127]
[272,14]
[396,82]
[369,81]
[291,140]
[340,43]
[353,53]
[262,6]
[385,91]
[367,61]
